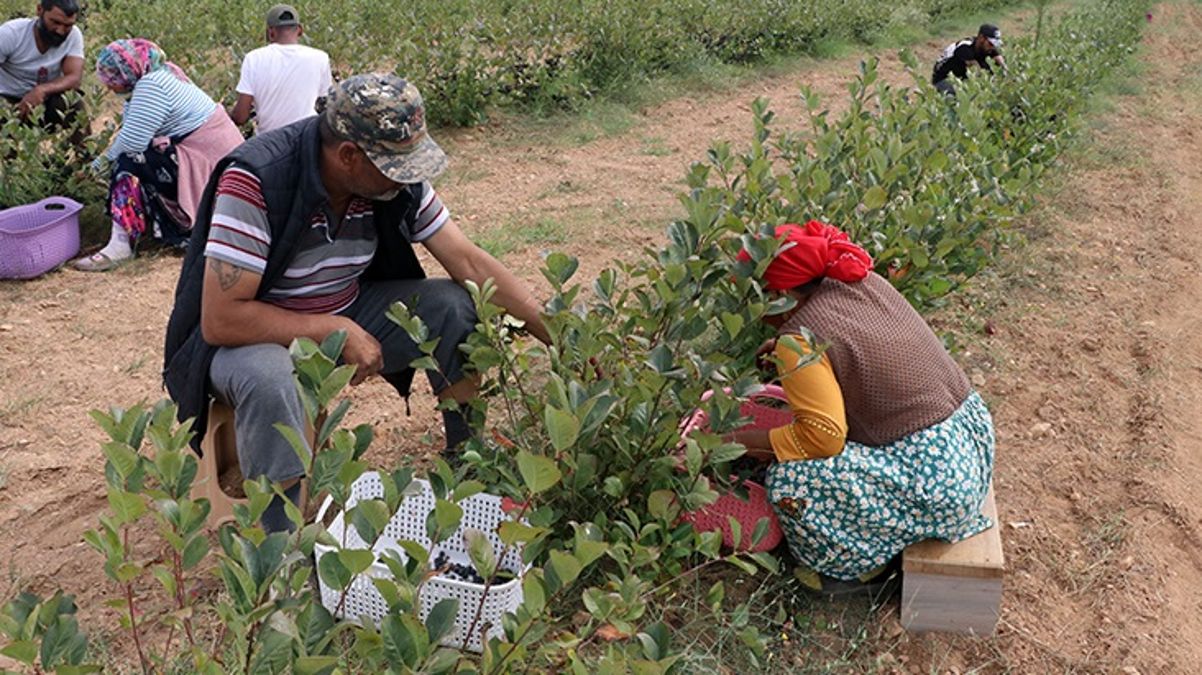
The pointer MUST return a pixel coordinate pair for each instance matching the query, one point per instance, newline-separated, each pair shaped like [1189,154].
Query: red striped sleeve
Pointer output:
[241,185]
[240,233]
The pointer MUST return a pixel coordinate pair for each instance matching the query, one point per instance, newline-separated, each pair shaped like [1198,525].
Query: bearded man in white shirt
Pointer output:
[40,60]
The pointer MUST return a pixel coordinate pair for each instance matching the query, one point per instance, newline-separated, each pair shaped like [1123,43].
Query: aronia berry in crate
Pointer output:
[450,561]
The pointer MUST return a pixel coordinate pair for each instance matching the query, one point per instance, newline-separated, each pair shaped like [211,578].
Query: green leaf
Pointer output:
[760,531]
[262,561]
[875,197]
[560,268]
[587,552]
[660,359]
[272,652]
[733,323]
[331,346]
[918,255]
[534,596]
[715,595]
[562,427]
[369,518]
[315,665]
[538,473]
[333,572]
[25,651]
[512,532]
[481,552]
[441,620]
[334,384]
[356,560]
[820,181]
[406,641]
[743,564]
[466,489]
[663,504]
[935,162]
[415,550]
[445,661]
[195,551]
[127,506]
[766,560]
[447,514]
[124,458]
[566,567]
[62,644]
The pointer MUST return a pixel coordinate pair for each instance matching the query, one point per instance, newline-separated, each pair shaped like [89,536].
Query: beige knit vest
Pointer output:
[895,374]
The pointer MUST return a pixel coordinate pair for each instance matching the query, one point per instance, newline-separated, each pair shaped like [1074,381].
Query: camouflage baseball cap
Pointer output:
[384,115]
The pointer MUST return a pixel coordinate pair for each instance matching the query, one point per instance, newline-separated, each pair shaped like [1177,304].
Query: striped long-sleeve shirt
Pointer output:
[323,277]
[161,105]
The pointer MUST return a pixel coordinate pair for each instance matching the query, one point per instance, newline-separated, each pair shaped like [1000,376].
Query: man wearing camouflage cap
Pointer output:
[307,230]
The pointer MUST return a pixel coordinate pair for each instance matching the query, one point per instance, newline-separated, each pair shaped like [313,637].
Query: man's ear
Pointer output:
[348,153]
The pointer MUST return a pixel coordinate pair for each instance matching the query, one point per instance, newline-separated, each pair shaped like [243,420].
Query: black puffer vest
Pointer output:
[287,164]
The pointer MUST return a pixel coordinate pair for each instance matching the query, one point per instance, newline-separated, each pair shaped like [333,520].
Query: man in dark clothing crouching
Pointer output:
[307,230]
[958,56]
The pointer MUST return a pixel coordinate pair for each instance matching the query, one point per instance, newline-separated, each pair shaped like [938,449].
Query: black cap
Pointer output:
[991,33]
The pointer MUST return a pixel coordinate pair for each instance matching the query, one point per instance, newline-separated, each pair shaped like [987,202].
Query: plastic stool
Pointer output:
[219,452]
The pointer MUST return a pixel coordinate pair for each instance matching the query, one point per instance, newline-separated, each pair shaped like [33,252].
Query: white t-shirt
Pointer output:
[22,66]
[285,81]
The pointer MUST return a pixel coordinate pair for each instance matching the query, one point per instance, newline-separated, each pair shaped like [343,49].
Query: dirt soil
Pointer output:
[1085,344]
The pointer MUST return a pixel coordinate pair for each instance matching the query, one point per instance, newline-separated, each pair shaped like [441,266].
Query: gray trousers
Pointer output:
[257,382]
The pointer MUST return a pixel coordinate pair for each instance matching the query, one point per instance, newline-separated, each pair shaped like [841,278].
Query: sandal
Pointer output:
[97,262]
[877,584]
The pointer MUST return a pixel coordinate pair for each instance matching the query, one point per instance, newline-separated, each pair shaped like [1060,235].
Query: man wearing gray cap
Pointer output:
[282,81]
[309,230]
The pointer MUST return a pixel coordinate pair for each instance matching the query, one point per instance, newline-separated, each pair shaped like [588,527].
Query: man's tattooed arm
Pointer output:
[227,274]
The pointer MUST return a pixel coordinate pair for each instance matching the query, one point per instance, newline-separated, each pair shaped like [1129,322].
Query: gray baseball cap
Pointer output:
[384,115]
[282,15]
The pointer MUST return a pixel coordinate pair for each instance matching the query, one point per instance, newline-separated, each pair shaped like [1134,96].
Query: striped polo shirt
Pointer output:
[323,277]
[161,105]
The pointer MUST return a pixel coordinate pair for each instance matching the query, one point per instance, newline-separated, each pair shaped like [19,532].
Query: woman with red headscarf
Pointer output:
[890,445]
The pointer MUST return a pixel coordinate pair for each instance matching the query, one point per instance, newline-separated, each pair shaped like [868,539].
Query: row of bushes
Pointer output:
[470,54]
[467,55]
[582,434]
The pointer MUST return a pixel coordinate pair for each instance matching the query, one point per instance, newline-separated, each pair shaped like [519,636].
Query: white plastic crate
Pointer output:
[482,512]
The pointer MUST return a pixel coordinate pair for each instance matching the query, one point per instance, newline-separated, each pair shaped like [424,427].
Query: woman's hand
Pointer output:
[757,442]
[763,359]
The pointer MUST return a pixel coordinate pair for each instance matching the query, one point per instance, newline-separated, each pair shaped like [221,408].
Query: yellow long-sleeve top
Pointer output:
[819,427]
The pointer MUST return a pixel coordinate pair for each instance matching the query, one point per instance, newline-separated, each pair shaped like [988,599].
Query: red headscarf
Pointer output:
[814,251]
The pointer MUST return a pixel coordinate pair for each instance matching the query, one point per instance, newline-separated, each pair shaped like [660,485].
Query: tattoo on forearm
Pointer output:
[227,275]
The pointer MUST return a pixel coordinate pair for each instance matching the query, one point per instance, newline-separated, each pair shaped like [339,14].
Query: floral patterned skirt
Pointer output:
[143,195]
[846,515]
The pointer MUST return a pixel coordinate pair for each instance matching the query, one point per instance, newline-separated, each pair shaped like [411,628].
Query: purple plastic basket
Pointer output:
[36,238]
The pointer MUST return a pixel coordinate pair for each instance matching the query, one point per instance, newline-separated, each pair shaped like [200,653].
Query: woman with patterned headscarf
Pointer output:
[172,135]
[890,445]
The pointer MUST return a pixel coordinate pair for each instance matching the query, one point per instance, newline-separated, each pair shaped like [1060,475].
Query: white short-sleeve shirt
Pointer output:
[22,66]
[285,81]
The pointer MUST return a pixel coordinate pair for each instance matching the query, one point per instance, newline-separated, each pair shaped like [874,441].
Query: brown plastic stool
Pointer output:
[220,453]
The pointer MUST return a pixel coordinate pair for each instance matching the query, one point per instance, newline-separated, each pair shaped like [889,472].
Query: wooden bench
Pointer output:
[219,454]
[955,588]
